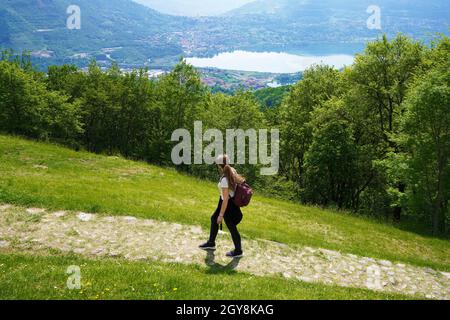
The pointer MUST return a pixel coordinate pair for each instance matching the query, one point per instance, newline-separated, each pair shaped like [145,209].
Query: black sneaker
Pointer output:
[235,254]
[207,246]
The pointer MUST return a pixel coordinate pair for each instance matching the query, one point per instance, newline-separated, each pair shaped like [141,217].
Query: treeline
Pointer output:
[373,138]
[112,112]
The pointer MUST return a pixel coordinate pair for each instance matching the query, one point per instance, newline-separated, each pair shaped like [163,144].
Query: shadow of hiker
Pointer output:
[215,267]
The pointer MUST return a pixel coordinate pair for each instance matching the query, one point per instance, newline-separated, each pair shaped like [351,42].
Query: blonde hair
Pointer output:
[223,161]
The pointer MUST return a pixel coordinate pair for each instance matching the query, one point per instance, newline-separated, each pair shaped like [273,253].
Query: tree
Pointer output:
[136,96]
[180,95]
[28,108]
[426,138]
[331,163]
[62,119]
[239,111]
[378,83]
[222,112]
[20,101]
[98,111]
[381,76]
[320,84]
[59,77]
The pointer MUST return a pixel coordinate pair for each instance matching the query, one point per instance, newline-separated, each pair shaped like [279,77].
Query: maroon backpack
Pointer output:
[242,195]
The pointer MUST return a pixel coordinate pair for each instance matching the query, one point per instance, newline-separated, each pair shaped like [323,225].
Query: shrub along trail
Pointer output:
[140,239]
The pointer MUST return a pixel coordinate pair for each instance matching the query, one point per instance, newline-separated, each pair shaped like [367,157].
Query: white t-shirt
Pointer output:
[224,184]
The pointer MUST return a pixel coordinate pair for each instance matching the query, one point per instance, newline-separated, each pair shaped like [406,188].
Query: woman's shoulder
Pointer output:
[223,180]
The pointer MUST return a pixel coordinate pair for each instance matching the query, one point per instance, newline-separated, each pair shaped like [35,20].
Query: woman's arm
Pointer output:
[223,209]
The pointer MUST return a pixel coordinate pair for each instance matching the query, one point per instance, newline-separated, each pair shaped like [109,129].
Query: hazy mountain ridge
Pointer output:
[41,25]
[193,7]
[131,34]
[293,25]
[298,7]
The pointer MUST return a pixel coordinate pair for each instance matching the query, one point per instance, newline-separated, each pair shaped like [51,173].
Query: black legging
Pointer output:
[233,216]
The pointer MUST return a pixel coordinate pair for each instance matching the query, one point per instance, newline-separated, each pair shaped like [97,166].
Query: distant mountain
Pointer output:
[264,7]
[193,8]
[131,34]
[110,29]
[300,23]
[297,8]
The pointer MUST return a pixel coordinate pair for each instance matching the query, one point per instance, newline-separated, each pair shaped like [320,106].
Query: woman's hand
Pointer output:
[220,219]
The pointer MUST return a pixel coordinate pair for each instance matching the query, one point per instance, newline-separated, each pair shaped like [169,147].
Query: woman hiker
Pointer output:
[226,209]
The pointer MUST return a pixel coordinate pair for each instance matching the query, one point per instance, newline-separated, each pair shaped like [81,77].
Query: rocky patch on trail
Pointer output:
[142,239]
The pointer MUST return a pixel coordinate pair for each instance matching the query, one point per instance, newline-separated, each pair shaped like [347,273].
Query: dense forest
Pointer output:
[373,138]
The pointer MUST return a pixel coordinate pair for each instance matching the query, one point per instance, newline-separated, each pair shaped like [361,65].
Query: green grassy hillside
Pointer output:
[45,175]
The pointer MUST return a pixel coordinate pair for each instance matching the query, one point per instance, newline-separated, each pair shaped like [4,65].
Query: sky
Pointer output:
[194,7]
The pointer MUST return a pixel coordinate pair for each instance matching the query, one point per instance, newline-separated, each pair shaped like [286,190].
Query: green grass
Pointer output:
[45,175]
[44,277]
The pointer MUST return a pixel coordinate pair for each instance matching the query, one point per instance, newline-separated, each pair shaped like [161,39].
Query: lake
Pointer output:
[274,62]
